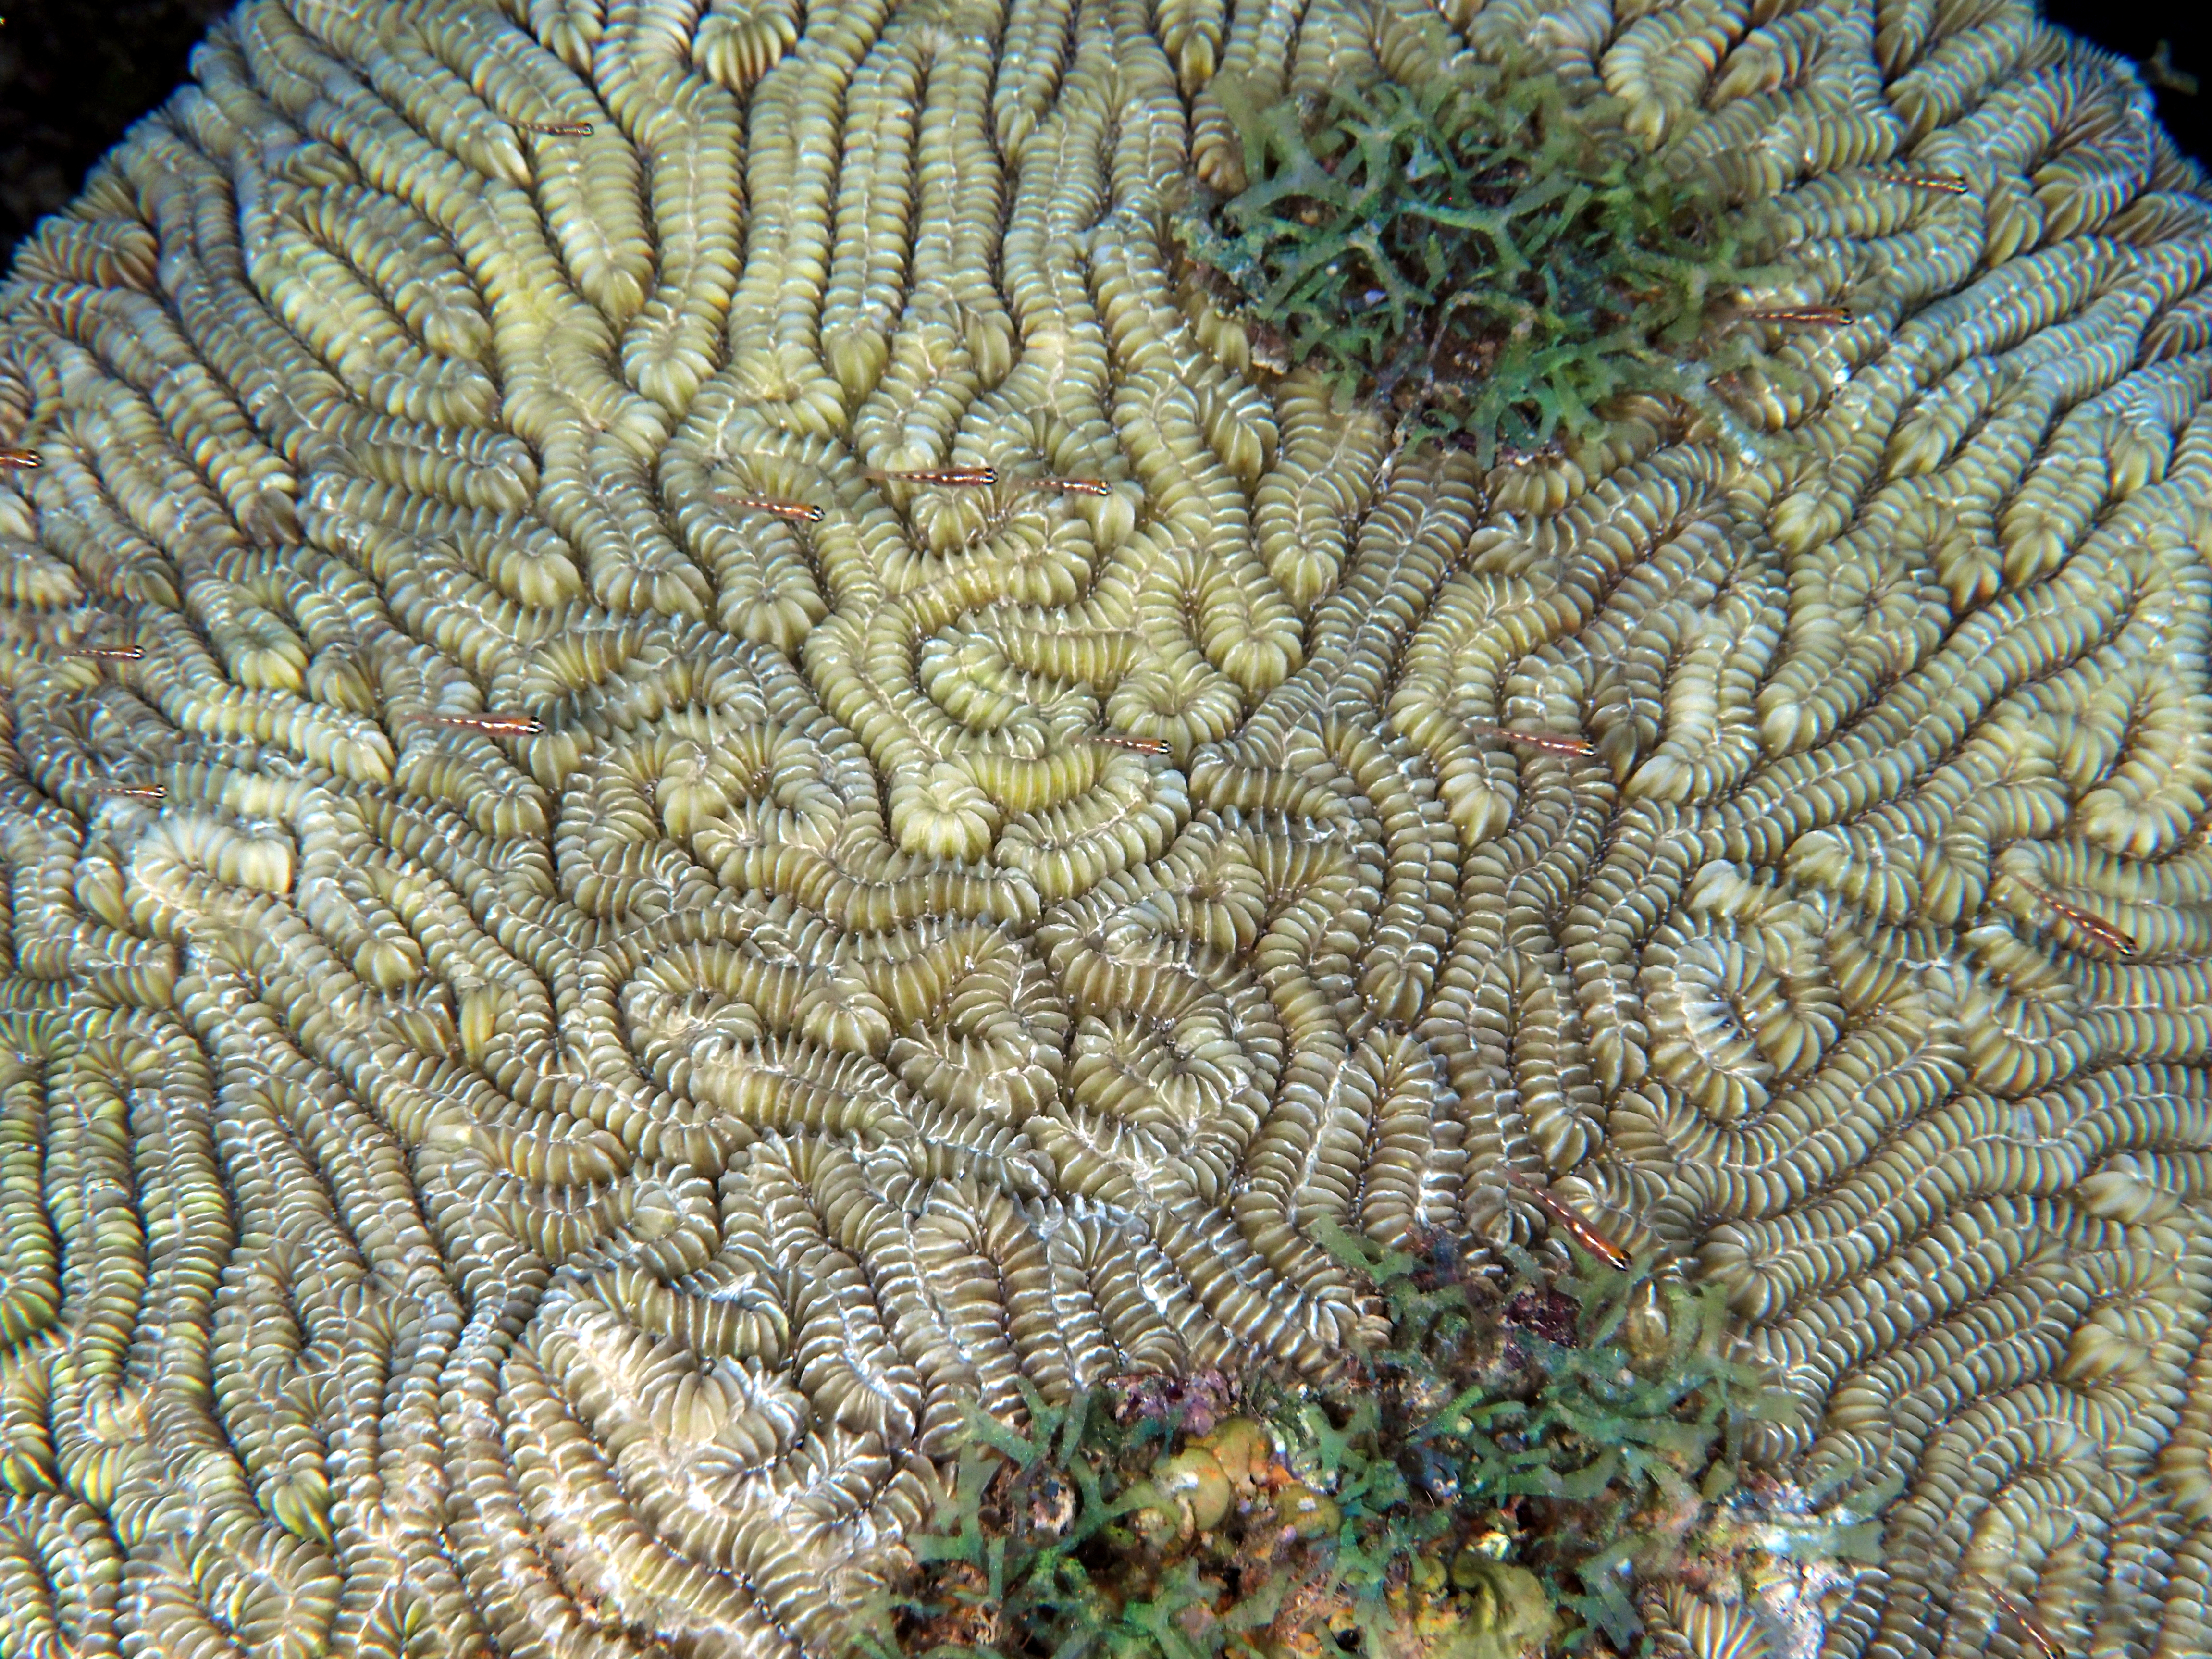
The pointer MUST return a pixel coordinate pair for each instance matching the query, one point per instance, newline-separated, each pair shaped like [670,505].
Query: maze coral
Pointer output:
[563,1028]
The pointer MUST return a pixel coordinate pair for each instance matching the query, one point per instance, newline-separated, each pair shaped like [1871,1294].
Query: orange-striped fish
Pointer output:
[1551,743]
[492,726]
[557,129]
[146,792]
[1578,1227]
[105,653]
[2095,926]
[1070,486]
[1135,745]
[2029,1623]
[952,477]
[1804,316]
[797,512]
[1942,181]
[26,459]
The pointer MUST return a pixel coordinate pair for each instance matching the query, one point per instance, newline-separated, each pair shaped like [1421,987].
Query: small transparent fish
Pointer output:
[1802,316]
[1551,743]
[2094,925]
[797,512]
[1070,486]
[1135,745]
[145,792]
[555,129]
[1940,181]
[951,476]
[492,726]
[105,653]
[2030,1625]
[1582,1231]
[26,460]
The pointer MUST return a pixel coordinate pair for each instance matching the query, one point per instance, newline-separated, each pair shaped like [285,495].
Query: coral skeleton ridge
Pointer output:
[700,766]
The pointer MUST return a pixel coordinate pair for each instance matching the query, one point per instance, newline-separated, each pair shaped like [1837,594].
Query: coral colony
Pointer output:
[1111,827]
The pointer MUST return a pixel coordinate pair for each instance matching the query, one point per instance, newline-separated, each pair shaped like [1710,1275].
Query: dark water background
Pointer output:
[75,73]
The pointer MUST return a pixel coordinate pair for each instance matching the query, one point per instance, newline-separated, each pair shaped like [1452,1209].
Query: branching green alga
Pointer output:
[1487,254]
[1522,1461]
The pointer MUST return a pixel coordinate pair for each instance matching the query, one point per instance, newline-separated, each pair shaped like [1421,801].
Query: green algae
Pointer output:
[1527,1452]
[1486,252]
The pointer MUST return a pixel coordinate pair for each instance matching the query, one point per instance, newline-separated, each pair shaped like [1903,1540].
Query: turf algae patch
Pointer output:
[699,771]
[1548,1464]
[1487,252]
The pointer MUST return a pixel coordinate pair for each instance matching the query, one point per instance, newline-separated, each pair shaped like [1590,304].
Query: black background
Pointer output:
[2133,28]
[74,75]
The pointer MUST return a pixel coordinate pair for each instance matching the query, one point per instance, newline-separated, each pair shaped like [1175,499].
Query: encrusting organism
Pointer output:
[1482,248]
[1517,1466]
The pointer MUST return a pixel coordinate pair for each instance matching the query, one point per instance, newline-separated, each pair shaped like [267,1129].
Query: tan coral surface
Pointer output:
[552,1194]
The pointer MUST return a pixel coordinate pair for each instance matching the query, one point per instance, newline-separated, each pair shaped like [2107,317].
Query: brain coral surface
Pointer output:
[470,1189]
